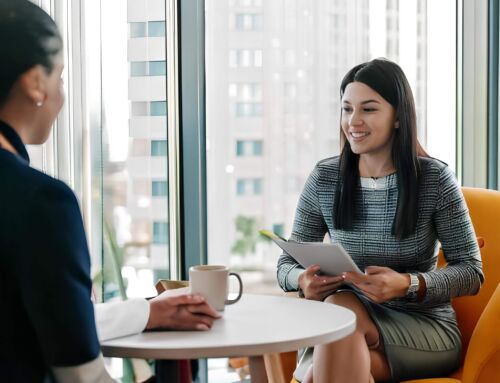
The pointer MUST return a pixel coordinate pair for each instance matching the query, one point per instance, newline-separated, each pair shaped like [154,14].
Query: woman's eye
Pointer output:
[346,109]
[370,109]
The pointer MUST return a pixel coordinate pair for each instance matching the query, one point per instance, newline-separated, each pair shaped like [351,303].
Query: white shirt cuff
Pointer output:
[117,319]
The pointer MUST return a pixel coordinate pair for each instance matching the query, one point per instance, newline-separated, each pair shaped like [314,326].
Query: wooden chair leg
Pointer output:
[274,368]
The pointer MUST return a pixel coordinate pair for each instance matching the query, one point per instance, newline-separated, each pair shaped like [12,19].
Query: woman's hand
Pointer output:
[183,312]
[318,287]
[380,284]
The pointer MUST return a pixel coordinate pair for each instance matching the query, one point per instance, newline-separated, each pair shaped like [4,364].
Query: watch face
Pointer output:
[414,284]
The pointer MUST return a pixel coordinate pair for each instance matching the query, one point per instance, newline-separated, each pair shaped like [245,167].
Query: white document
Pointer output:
[332,258]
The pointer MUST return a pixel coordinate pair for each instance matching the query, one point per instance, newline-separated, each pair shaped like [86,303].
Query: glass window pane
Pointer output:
[284,86]
[138,68]
[137,29]
[240,148]
[157,68]
[257,148]
[159,188]
[159,148]
[160,233]
[158,108]
[132,143]
[156,28]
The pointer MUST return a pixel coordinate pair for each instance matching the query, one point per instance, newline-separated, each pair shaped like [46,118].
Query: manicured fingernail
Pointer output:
[202,327]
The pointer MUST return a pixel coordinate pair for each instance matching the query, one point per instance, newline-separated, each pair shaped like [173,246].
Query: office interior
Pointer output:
[189,125]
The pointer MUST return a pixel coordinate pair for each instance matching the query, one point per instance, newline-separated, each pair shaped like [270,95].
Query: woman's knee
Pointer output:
[364,322]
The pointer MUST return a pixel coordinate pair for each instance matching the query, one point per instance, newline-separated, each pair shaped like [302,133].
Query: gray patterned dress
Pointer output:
[421,339]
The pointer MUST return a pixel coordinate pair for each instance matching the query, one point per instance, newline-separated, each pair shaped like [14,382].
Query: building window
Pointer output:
[249,186]
[160,233]
[137,30]
[148,68]
[157,68]
[158,108]
[153,108]
[156,28]
[246,91]
[242,58]
[279,229]
[248,148]
[248,21]
[248,109]
[138,68]
[149,29]
[158,148]
[159,189]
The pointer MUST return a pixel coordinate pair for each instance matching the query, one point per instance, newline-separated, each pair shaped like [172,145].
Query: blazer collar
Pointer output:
[14,139]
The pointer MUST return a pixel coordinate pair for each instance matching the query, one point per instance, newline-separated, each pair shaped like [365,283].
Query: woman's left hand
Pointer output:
[380,284]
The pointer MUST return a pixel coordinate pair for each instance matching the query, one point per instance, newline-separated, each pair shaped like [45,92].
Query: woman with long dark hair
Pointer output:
[48,332]
[390,206]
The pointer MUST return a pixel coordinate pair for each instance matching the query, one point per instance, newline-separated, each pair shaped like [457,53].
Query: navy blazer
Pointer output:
[47,317]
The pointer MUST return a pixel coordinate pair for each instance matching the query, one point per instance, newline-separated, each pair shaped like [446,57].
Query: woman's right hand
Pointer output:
[318,287]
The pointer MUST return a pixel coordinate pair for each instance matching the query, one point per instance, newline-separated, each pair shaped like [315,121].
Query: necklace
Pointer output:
[374,183]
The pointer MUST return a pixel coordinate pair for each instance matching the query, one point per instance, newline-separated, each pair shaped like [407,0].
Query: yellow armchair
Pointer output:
[477,315]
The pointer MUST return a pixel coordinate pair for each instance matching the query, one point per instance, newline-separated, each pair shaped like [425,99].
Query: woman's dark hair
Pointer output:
[388,80]
[29,37]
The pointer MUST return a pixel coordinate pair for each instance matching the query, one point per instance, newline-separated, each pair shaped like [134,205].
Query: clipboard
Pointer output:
[331,257]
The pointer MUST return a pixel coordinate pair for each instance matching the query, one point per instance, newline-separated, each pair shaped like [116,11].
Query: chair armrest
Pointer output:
[483,355]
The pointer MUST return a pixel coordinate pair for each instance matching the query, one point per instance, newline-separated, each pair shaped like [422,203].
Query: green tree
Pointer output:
[247,229]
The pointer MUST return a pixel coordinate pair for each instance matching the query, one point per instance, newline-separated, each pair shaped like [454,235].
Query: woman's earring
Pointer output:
[39,103]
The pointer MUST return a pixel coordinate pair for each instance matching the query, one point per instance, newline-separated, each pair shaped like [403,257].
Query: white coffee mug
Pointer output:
[212,281]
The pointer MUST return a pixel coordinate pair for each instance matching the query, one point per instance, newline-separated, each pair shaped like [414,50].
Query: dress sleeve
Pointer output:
[463,274]
[55,277]
[309,226]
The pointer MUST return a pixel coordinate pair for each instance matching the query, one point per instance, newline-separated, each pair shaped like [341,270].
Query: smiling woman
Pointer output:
[391,229]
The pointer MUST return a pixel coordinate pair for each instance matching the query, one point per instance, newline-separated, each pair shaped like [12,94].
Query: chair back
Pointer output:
[484,210]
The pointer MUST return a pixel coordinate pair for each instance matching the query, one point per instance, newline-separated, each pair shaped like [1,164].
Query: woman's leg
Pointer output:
[357,358]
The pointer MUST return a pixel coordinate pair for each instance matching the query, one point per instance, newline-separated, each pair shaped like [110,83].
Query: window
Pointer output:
[137,29]
[148,68]
[147,29]
[158,108]
[245,58]
[248,109]
[156,28]
[248,148]
[159,188]
[246,91]
[248,187]
[248,21]
[153,108]
[159,148]
[157,68]
[160,233]
[279,229]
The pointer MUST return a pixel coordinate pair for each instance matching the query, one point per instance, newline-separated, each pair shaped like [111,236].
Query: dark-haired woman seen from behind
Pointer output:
[48,332]
[390,206]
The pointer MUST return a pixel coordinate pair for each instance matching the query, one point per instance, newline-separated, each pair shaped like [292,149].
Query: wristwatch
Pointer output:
[412,291]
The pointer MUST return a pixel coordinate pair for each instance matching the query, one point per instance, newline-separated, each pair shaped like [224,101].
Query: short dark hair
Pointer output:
[387,79]
[29,37]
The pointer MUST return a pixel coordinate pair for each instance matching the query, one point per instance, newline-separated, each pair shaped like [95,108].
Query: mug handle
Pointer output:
[231,301]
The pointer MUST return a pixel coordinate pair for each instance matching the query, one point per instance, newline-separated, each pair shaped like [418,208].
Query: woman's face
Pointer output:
[51,105]
[368,120]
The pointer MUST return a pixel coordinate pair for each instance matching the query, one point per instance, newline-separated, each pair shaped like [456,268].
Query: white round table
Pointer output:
[256,325]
